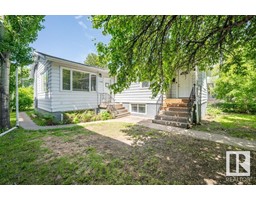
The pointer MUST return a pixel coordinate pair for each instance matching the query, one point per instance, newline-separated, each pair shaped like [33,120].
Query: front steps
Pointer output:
[174,112]
[116,109]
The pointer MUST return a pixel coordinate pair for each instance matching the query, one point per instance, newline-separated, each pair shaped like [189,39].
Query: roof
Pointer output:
[50,57]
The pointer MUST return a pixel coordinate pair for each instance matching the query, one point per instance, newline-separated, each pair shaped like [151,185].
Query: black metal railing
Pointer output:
[191,103]
[108,102]
[159,103]
[105,98]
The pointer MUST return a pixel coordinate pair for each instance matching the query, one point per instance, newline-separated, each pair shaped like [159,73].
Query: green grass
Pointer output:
[98,154]
[233,124]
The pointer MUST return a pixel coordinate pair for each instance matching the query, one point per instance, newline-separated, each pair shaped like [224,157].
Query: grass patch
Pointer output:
[233,124]
[99,154]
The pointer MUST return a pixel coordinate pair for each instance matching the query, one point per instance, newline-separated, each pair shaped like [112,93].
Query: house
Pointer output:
[62,85]
[182,104]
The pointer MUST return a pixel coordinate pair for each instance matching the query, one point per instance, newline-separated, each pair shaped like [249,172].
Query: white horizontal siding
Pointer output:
[136,94]
[43,98]
[202,82]
[69,100]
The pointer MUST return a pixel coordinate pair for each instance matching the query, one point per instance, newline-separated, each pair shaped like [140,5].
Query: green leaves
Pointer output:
[19,32]
[152,48]
[93,59]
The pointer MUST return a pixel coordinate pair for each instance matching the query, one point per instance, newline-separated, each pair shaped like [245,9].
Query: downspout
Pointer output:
[17,107]
[196,91]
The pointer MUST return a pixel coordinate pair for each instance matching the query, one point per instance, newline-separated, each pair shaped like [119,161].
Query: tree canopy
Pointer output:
[94,60]
[237,82]
[16,34]
[152,48]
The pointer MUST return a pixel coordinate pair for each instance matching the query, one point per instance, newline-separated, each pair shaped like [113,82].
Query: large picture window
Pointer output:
[66,79]
[74,80]
[80,81]
[138,108]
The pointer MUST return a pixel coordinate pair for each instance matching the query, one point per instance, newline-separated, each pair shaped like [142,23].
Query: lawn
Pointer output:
[232,124]
[112,153]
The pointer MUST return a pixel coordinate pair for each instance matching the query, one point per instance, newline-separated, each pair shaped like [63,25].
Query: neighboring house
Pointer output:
[185,101]
[61,85]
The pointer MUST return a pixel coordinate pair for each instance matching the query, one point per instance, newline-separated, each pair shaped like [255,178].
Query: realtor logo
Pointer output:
[238,163]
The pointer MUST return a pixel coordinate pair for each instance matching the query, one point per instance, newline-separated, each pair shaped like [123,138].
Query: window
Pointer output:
[73,80]
[66,79]
[80,81]
[45,81]
[145,84]
[138,108]
[93,82]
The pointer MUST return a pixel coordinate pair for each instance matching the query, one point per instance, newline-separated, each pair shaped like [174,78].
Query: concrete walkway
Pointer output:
[28,124]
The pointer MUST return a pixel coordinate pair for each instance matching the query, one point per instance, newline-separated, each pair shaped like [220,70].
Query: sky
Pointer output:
[69,37]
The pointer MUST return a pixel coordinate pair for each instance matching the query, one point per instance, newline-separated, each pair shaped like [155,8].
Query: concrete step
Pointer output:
[122,115]
[171,123]
[181,109]
[171,118]
[123,110]
[174,113]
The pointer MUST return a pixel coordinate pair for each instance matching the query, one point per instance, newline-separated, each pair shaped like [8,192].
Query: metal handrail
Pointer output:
[109,101]
[191,102]
[105,98]
[159,103]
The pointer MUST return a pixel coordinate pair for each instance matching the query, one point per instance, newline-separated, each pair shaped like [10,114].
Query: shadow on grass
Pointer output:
[81,156]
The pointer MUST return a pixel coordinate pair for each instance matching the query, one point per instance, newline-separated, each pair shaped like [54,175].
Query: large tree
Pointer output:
[17,32]
[153,47]
[93,59]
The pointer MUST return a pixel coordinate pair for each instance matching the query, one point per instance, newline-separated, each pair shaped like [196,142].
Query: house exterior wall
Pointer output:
[70,100]
[135,94]
[56,100]
[203,93]
[43,98]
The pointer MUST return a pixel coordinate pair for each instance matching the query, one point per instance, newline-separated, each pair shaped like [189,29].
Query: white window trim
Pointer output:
[45,73]
[146,110]
[144,87]
[71,79]
[96,87]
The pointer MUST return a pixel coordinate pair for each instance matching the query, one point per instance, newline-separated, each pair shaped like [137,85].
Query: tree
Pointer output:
[17,32]
[237,82]
[93,60]
[152,48]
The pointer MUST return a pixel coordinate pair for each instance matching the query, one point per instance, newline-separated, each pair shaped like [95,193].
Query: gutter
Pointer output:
[17,106]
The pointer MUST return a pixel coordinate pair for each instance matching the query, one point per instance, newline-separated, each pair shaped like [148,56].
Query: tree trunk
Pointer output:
[4,91]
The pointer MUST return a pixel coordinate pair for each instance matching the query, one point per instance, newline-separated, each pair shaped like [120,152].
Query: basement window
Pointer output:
[138,108]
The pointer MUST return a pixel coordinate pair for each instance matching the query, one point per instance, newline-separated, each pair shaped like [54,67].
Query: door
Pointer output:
[185,85]
[107,83]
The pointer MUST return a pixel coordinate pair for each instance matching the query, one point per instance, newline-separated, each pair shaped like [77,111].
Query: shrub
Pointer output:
[43,119]
[25,99]
[105,115]
[85,116]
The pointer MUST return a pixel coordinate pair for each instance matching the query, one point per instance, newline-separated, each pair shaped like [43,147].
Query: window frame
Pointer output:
[45,81]
[61,79]
[138,108]
[88,78]
[71,79]
[144,87]
[93,74]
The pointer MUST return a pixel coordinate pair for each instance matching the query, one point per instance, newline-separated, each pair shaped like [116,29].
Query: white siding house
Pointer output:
[57,86]
[61,85]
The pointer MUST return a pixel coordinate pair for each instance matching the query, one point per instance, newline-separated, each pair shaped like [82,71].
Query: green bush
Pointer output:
[105,115]
[237,107]
[85,116]
[25,99]
[43,119]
